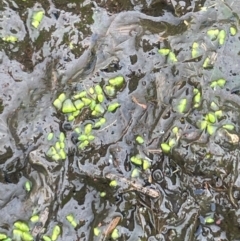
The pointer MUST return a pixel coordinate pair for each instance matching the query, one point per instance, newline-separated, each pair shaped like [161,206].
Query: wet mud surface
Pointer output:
[182,182]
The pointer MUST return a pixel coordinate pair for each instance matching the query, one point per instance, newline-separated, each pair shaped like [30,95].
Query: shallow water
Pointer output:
[78,45]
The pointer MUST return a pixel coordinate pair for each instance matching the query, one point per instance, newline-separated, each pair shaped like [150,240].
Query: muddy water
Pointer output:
[78,45]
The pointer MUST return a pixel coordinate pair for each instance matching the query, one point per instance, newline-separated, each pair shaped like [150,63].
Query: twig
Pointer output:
[136,186]
[136,102]
[112,225]
[108,126]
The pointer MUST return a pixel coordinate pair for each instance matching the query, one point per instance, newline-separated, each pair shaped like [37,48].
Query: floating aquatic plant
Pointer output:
[229,127]
[139,140]
[10,39]
[3,236]
[57,151]
[113,106]
[195,50]
[196,98]
[135,173]
[207,63]
[46,238]
[56,232]
[220,82]
[96,231]
[209,220]
[28,186]
[164,51]
[233,31]
[113,183]
[146,165]
[182,105]
[137,160]
[71,220]
[100,122]
[172,57]
[103,194]
[115,234]
[117,81]
[34,218]
[222,37]
[37,18]
[165,147]
[213,33]
[175,130]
